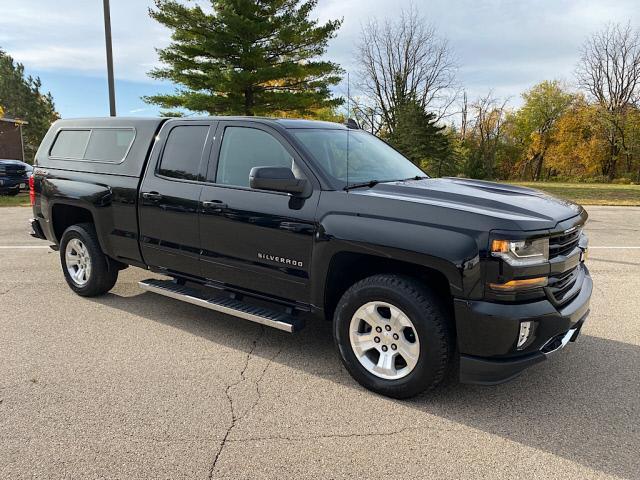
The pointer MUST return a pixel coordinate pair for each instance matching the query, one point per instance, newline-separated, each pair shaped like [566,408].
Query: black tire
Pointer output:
[13,193]
[104,272]
[432,325]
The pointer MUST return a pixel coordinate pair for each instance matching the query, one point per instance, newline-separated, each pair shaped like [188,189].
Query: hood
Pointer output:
[519,207]
[6,161]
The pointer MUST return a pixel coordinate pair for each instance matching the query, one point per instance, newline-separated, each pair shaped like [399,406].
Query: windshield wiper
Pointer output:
[417,177]
[370,183]
[373,183]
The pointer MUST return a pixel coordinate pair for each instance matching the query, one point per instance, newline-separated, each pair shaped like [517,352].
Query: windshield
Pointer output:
[369,157]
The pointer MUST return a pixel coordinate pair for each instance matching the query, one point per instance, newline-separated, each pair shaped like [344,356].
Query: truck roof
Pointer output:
[288,123]
[130,137]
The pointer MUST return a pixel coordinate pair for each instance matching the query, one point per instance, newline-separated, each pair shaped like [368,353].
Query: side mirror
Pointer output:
[276,179]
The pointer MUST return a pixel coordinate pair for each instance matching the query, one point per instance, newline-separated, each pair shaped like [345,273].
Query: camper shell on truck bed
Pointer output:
[93,164]
[279,221]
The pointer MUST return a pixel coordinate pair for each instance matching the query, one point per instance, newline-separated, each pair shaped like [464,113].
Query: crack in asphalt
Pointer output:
[234,416]
[257,383]
[322,436]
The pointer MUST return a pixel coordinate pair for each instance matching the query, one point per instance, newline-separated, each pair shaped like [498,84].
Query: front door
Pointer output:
[253,239]
[169,198]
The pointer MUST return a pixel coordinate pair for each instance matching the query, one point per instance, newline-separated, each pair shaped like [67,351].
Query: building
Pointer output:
[11,141]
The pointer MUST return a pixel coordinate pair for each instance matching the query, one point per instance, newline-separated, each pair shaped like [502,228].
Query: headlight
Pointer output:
[521,252]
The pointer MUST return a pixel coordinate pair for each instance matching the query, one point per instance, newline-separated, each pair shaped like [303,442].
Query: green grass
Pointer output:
[590,193]
[22,199]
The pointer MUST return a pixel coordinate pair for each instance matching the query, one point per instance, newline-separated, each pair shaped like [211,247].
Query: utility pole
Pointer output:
[107,37]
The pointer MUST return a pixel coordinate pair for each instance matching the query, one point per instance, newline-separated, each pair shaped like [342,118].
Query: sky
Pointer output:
[503,46]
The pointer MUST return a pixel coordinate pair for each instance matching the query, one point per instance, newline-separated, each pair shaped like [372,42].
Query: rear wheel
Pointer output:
[393,335]
[87,270]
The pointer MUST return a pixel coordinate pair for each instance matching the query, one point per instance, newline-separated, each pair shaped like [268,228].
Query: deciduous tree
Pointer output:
[534,123]
[609,71]
[487,120]
[401,61]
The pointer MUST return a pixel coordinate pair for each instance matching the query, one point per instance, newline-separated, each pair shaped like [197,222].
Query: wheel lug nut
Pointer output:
[387,327]
[378,329]
[395,336]
[376,339]
[384,348]
[394,346]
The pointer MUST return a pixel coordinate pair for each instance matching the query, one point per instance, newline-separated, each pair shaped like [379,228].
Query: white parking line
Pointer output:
[8,247]
[617,248]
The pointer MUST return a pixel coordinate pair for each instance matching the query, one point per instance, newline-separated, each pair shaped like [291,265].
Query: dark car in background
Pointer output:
[14,176]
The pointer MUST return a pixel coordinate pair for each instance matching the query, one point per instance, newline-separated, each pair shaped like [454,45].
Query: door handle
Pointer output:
[215,205]
[153,196]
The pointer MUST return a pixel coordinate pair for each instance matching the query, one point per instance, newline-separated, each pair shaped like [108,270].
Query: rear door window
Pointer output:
[183,152]
[109,144]
[70,144]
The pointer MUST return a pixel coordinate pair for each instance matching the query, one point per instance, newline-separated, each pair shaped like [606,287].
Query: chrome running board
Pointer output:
[222,304]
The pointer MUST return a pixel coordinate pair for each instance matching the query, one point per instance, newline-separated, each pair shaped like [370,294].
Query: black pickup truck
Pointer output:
[281,221]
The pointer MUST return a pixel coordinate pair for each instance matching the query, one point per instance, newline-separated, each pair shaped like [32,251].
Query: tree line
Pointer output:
[263,58]
[590,132]
[268,58]
[22,98]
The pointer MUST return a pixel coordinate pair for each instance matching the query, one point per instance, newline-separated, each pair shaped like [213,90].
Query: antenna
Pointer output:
[348,118]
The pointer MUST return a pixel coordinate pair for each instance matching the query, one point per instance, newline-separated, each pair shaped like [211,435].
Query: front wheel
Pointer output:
[393,335]
[86,268]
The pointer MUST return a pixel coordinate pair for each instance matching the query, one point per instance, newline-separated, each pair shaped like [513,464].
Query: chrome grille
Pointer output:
[564,243]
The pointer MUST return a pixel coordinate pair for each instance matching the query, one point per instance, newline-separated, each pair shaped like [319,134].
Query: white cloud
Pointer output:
[83,59]
[68,35]
[504,45]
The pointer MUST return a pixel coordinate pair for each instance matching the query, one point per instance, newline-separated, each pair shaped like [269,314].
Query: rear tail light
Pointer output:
[32,190]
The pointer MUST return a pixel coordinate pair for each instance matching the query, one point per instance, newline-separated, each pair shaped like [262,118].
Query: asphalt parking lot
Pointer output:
[134,385]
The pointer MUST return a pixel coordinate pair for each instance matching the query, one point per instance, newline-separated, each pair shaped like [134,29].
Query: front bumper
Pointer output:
[9,184]
[487,334]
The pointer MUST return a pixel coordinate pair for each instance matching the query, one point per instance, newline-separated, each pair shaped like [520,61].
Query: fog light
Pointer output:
[526,328]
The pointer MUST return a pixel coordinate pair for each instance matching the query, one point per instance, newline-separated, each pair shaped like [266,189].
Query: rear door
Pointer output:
[254,239]
[170,194]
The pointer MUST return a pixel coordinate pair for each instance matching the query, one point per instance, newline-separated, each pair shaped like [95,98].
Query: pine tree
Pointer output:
[21,98]
[421,140]
[247,57]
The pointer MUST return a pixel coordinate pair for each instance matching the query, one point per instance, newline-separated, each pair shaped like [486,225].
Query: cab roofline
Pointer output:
[287,123]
